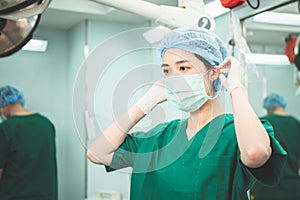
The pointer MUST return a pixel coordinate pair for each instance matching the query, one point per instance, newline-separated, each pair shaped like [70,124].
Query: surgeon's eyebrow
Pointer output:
[178,62]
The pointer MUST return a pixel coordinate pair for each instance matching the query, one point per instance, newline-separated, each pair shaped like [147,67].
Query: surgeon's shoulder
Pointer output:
[227,120]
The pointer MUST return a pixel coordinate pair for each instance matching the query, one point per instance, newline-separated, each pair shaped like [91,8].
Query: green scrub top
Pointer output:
[28,158]
[166,165]
[287,132]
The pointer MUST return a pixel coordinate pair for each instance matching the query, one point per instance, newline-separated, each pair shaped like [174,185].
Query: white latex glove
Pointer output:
[154,96]
[233,68]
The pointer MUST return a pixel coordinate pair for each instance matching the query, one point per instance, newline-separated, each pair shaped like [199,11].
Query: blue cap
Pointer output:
[199,41]
[273,100]
[9,94]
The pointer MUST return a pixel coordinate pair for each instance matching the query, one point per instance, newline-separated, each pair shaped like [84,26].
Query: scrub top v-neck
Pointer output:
[166,165]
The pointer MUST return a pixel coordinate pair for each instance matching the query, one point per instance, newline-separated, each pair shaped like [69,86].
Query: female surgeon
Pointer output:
[209,155]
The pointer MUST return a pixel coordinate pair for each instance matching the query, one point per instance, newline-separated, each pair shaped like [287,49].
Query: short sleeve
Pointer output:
[269,173]
[3,148]
[124,155]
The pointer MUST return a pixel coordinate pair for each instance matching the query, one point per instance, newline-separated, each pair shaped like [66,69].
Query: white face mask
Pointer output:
[187,92]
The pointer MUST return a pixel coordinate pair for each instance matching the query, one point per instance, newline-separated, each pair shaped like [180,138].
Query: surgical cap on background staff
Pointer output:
[28,168]
[209,155]
[287,132]
[274,104]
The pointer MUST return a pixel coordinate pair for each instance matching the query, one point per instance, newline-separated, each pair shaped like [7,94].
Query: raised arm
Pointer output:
[102,150]
[253,139]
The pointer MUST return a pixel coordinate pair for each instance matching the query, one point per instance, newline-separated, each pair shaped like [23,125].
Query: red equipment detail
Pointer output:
[232,3]
[290,48]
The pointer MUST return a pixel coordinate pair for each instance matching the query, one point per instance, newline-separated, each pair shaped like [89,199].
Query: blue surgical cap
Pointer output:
[199,41]
[273,100]
[9,94]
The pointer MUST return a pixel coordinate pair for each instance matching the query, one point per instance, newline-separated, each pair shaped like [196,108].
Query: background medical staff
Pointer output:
[287,132]
[28,168]
[209,155]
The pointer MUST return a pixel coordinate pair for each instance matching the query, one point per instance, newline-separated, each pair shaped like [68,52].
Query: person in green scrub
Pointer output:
[209,155]
[28,168]
[287,132]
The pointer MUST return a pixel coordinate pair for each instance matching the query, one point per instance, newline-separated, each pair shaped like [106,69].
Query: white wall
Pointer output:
[42,78]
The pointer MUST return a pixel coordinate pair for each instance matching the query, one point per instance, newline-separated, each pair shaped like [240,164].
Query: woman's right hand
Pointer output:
[154,96]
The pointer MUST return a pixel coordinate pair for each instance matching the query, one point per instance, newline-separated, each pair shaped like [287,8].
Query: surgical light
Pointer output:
[18,20]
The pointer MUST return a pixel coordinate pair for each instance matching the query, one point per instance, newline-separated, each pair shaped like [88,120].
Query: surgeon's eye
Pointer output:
[166,71]
[184,68]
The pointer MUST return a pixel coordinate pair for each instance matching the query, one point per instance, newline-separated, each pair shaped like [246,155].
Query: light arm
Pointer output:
[192,15]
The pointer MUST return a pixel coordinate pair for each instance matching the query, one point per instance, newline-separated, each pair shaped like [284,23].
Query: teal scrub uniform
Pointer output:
[28,158]
[287,132]
[166,165]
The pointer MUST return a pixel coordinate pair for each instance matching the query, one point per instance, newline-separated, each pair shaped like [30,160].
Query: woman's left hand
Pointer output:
[233,68]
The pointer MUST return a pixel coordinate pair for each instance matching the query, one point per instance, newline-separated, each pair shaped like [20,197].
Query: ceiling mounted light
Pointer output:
[18,20]
[278,18]
[267,59]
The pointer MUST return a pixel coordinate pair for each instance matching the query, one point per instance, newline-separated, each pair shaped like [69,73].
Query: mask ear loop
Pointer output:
[217,85]
[216,96]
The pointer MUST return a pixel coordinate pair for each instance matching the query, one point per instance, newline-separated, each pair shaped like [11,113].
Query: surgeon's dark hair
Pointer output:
[217,82]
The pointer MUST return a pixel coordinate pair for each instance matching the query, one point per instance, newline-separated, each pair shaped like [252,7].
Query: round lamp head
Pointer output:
[14,34]
[18,20]
[7,6]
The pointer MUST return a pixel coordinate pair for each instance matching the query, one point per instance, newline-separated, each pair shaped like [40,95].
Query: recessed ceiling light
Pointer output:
[36,45]
[267,59]
[278,18]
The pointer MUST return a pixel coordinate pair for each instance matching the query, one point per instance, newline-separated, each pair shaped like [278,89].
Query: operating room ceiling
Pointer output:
[270,33]
[64,14]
